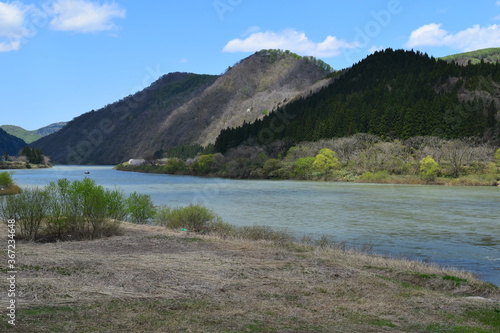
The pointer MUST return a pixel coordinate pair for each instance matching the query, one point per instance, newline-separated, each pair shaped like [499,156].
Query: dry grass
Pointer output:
[9,190]
[151,279]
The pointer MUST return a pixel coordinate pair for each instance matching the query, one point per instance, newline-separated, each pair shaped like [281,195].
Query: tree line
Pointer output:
[392,94]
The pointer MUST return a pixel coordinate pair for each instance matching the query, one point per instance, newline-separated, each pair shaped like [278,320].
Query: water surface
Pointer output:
[451,226]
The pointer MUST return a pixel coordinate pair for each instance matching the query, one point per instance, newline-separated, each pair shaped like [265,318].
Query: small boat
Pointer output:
[87,172]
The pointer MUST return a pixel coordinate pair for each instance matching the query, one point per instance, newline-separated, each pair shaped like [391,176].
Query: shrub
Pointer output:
[377,176]
[326,161]
[173,165]
[29,209]
[73,210]
[428,168]
[303,167]
[497,157]
[140,208]
[6,179]
[195,218]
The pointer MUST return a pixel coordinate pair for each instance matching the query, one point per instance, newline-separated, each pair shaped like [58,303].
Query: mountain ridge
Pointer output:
[31,136]
[491,55]
[392,93]
[184,109]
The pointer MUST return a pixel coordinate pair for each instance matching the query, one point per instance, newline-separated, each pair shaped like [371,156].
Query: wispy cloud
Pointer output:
[12,25]
[85,16]
[290,39]
[470,39]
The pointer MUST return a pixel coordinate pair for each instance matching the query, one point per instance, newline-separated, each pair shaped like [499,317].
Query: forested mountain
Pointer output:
[185,109]
[475,57]
[10,144]
[394,94]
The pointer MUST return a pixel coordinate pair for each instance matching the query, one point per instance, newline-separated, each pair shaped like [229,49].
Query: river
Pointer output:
[452,226]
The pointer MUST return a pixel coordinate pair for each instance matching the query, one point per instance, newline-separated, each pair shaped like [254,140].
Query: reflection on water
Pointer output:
[454,226]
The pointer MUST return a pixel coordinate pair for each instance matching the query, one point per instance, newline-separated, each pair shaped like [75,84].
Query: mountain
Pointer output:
[31,136]
[185,109]
[21,133]
[392,94]
[491,55]
[52,128]
[10,144]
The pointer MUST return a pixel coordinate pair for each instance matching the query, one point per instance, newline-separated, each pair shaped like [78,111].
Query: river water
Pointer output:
[451,226]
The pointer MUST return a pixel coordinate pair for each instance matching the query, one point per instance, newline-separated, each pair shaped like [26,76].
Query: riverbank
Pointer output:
[374,178]
[10,165]
[152,279]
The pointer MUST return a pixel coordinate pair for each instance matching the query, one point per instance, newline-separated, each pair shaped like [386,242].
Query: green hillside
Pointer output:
[32,136]
[491,55]
[27,136]
[394,94]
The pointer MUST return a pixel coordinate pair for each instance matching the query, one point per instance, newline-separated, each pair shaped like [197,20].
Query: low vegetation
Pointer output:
[155,279]
[76,210]
[7,186]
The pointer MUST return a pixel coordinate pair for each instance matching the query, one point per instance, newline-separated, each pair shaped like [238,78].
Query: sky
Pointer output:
[62,58]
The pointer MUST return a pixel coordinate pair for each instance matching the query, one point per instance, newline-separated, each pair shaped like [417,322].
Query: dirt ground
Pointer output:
[151,279]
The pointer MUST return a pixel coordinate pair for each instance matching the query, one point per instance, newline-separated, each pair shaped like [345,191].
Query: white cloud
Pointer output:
[292,40]
[470,39]
[85,16]
[375,48]
[12,26]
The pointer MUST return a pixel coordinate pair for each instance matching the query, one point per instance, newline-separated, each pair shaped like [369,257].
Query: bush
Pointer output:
[29,209]
[140,208]
[195,218]
[428,168]
[6,179]
[73,210]
[377,176]
[326,160]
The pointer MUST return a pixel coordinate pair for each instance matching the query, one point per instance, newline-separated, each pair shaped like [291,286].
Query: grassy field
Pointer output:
[152,279]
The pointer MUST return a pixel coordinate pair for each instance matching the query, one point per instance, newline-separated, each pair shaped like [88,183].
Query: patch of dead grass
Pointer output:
[151,279]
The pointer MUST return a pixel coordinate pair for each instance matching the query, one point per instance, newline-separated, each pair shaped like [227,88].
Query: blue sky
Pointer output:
[62,58]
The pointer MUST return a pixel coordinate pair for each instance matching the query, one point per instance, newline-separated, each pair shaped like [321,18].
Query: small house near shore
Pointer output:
[136,162]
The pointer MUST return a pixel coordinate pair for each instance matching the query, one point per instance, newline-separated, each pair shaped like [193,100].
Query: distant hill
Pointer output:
[52,128]
[491,55]
[184,109]
[10,144]
[21,133]
[392,94]
[31,136]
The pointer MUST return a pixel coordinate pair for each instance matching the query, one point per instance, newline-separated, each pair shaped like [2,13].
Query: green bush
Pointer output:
[195,218]
[6,179]
[303,167]
[73,210]
[140,208]
[29,209]
[429,168]
[374,176]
